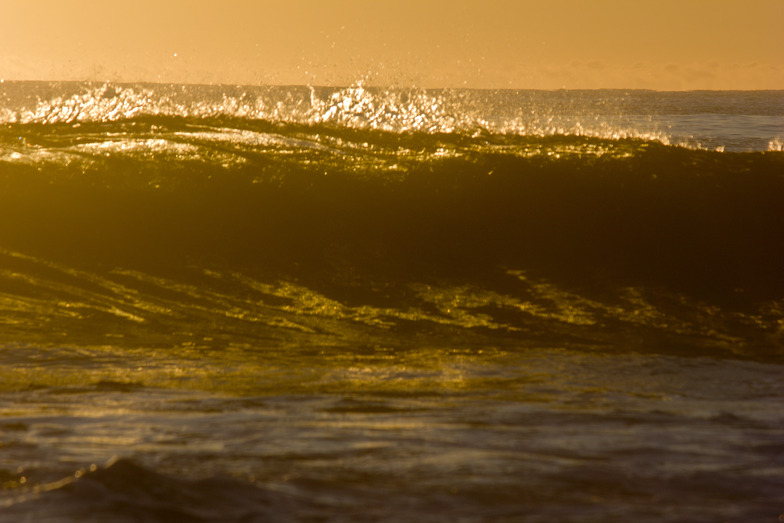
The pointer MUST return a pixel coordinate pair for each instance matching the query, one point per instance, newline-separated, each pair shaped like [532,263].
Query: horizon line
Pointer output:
[375,86]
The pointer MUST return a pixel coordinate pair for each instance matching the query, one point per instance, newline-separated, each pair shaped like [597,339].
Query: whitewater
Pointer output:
[236,303]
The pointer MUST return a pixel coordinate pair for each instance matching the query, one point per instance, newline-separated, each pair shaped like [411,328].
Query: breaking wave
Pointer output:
[355,213]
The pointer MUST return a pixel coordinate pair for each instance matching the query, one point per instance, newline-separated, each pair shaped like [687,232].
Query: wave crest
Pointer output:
[399,110]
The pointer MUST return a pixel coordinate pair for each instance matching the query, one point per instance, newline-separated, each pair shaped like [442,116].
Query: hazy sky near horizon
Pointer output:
[547,44]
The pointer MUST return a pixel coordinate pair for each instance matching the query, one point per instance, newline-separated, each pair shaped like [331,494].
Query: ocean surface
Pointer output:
[238,304]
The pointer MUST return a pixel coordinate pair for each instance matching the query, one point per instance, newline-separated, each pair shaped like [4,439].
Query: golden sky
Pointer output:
[547,44]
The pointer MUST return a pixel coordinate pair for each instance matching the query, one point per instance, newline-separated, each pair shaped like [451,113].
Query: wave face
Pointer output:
[360,304]
[385,210]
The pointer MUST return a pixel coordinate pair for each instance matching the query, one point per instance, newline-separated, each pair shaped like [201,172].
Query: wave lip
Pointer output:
[731,121]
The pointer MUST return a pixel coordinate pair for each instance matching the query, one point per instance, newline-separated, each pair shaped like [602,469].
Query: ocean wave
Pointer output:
[126,491]
[361,215]
[626,206]
[360,221]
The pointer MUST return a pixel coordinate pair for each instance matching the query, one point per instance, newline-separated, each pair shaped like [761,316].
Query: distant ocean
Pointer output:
[236,304]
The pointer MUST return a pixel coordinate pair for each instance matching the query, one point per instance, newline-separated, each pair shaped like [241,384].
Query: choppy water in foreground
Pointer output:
[244,304]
